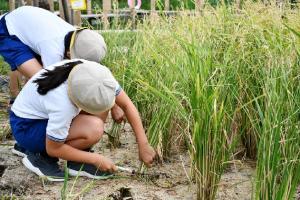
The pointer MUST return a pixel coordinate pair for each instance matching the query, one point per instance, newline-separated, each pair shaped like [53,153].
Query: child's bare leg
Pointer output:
[85,131]
[103,116]
[28,69]
[14,82]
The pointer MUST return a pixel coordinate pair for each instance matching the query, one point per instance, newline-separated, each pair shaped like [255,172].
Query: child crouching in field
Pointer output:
[47,121]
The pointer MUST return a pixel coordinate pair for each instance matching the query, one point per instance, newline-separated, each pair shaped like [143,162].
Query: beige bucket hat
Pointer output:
[87,44]
[92,87]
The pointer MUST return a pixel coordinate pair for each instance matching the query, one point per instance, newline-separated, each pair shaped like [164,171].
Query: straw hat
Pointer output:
[92,87]
[87,44]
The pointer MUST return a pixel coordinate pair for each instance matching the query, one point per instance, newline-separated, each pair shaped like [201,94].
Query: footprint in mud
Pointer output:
[121,194]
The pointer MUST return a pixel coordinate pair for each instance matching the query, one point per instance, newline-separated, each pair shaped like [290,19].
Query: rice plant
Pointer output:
[278,168]
[68,190]
[114,135]
[278,157]
[214,79]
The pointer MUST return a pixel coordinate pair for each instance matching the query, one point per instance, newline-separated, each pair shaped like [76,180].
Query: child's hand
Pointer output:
[147,154]
[105,164]
[117,114]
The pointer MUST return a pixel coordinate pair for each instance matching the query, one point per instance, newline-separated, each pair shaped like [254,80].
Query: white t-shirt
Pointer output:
[41,30]
[54,106]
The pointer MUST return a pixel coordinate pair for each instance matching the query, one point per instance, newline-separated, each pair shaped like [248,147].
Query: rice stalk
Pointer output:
[278,157]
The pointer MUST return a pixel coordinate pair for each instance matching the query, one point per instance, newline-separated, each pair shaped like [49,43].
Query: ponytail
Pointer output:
[51,79]
[67,44]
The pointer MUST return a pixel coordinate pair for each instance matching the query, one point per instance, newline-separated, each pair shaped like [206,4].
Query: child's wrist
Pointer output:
[142,143]
[95,159]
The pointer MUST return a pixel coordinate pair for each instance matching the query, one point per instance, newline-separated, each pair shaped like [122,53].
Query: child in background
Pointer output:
[46,119]
[32,38]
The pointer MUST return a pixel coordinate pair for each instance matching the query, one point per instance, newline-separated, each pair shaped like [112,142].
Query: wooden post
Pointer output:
[153,13]
[29,2]
[239,4]
[66,10]
[89,6]
[36,3]
[167,5]
[12,5]
[76,15]
[61,9]
[106,11]
[132,13]
[51,5]
[19,3]
[198,5]
[153,3]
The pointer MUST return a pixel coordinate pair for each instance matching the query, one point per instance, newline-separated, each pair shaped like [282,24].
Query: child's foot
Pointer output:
[43,166]
[18,150]
[87,170]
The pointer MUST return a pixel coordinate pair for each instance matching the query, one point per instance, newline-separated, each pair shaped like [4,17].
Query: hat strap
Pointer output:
[74,35]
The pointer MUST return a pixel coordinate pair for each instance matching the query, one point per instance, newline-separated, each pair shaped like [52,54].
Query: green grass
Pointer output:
[211,80]
[174,4]
[97,4]
[3,5]
[4,67]
[278,170]
[278,156]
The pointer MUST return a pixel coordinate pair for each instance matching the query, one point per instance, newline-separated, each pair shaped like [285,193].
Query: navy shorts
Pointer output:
[12,49]
[29,133]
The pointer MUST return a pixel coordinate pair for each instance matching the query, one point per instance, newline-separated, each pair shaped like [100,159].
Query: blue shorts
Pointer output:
[29,133]
[12,49]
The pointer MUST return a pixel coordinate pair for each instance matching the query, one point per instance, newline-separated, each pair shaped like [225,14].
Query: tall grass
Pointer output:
[214,79]
[278,156]
[278,169]
[174,4]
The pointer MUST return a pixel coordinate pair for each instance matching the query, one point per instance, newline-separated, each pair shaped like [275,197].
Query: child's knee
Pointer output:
[97,129]
[103,116]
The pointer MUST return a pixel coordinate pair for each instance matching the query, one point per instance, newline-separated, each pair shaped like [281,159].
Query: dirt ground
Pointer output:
[173,183]
[17,181]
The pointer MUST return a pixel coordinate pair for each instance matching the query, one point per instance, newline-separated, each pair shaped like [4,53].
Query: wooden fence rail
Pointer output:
[74,16]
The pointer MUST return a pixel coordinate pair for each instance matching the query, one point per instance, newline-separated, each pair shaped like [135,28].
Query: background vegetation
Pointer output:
[3,5]
[210,81]
[174,4]
[207,82]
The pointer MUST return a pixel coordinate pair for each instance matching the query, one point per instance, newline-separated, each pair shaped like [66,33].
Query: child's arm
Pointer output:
[146,152]
[67,152]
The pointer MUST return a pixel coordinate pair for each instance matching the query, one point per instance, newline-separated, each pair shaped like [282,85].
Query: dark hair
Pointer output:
[51,79]
[67,42]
